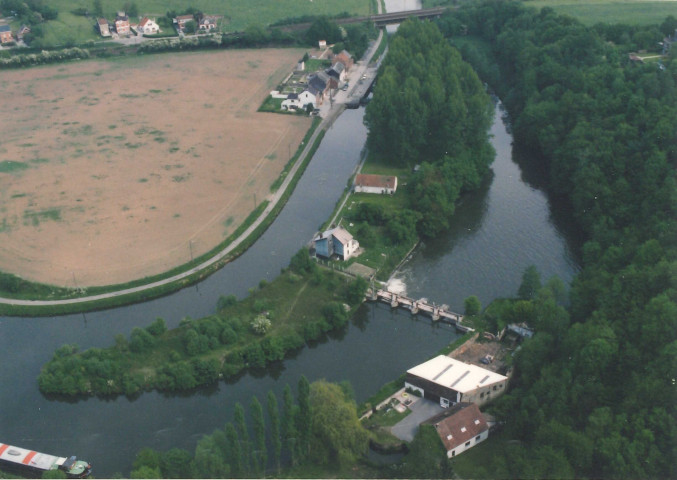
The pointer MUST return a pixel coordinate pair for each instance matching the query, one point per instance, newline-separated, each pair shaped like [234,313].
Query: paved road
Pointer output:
[329,115]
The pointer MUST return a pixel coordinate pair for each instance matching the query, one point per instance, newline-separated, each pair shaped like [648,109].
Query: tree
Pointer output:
[190,26]
[175,463]
[323,29]
[234,457]
[669,26]
[426,457]
[243,435]
[146,472]
[301,262]
[275,438]
[472,305]
[289,422]
[531,283]
[303,417]
[259,454]
[97,8]
[337,437]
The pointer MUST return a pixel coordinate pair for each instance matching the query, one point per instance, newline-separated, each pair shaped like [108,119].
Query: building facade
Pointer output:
[449,381]
[365,183]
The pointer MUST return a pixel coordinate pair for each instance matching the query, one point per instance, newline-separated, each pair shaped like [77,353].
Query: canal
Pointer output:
[497,232]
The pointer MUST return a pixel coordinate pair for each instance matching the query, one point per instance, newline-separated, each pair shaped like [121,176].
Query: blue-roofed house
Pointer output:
[336,242]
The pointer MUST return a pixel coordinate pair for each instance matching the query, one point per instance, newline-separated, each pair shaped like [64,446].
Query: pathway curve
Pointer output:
[329,115]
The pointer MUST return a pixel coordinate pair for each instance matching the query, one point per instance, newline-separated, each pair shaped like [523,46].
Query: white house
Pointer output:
[365,183]
[148,27]
[291,102]
[298,101]
[460,428]
[337,241]
[448,381]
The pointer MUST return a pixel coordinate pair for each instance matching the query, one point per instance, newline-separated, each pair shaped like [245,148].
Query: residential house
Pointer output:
[291,102]
[122,24]
[148,26]
[104,27]
[450,381]
[460,427]
[181,21]
[365,183]
[23,31]
[207,23]
[6,34]
[345,58]
[338,72]
[337,241]
[320,84]
[298,101]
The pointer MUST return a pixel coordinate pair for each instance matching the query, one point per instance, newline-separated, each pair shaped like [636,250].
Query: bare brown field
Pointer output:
[130,167]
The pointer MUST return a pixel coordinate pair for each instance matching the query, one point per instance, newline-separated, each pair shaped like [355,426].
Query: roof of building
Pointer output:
[102,21]
[292,96]
[458,424]
[318,82]
[451,373]
[342,235]
[5,28]
[339,233]
[122,18]
[378,181]
[184,17]
[144,21]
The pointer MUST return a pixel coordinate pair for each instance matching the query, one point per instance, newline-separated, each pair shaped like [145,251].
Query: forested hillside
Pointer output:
[429,108]
[594,392]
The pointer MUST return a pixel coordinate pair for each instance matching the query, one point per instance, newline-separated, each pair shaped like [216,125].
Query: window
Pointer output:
[477,438]
[495,388]
[467,444]
[453,453]
[463,429]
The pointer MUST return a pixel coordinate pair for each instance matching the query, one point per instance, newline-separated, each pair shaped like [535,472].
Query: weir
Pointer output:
[436,312]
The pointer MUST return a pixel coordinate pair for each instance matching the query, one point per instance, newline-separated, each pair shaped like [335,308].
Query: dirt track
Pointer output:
[129,167]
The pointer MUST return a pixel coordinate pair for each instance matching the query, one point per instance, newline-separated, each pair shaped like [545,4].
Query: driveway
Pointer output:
[421,411]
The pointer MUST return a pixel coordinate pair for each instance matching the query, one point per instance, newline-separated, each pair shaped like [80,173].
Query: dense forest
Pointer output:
[594,390]
[430,109]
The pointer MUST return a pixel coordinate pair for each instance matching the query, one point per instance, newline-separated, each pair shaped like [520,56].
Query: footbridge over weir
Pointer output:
[436,312]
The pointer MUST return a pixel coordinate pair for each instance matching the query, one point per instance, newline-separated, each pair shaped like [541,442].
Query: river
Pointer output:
[499,230]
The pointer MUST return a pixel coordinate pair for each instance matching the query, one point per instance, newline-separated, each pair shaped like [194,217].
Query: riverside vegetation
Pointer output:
[300,306]
[593,391]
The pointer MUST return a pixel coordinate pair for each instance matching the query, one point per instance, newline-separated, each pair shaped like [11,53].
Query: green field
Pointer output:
[629,12]
[238,14]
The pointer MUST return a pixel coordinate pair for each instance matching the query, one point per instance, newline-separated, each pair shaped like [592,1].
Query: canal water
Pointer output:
[497,232]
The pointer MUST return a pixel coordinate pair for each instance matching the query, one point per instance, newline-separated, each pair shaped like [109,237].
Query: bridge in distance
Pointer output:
[380,20]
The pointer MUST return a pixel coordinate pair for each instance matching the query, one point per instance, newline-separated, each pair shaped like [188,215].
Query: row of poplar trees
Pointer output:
[320,427]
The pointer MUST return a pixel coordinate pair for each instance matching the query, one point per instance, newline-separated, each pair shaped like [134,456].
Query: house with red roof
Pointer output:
[460,427]
[365,183]
[147,27]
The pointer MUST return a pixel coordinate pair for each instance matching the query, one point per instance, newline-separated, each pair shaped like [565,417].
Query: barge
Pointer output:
[30,463]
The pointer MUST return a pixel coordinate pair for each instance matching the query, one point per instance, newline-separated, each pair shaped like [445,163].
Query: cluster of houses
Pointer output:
[121,26]
[320,84]
[460,388]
